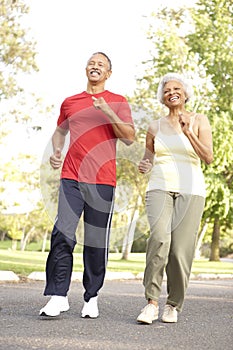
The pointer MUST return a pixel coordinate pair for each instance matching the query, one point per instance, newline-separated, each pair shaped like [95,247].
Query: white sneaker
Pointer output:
[55,306]
[170,314]
[90,308]
[148,314]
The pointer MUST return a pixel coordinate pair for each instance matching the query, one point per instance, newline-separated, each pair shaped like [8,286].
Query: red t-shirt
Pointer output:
[91,156]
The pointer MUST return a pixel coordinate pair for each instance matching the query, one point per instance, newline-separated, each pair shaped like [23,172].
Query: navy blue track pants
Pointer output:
[95,202]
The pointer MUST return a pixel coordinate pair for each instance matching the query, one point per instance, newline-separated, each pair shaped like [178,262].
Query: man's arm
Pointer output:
[123,131]
[58,141]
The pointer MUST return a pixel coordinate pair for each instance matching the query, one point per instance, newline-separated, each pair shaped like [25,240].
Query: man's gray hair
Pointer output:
[177,77]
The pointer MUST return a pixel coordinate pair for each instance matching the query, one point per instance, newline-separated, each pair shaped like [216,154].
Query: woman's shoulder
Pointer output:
[154,126]
[200,117]
[197,115]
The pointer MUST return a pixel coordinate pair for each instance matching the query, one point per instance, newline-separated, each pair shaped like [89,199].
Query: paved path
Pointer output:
[205,323]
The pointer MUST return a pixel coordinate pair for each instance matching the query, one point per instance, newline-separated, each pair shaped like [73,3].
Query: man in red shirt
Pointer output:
[95,119]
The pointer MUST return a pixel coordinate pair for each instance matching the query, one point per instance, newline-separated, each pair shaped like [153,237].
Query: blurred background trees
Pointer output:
[197,42]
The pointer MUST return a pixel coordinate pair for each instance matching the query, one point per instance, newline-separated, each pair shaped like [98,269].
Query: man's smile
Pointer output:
[94,72]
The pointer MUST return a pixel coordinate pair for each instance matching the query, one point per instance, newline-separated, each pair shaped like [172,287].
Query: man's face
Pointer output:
[97,69]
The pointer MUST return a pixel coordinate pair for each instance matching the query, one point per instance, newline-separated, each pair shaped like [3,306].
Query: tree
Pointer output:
[212,42]
[192,42]
[23,126]
[17,49]
[131,191]
[21,185]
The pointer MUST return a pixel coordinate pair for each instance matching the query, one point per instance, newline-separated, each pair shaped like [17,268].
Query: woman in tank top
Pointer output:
[175,146]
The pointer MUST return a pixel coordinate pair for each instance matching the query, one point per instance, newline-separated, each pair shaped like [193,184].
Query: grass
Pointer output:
[23,263]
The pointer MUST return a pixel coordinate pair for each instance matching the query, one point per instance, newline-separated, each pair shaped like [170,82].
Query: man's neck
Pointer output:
[95,89]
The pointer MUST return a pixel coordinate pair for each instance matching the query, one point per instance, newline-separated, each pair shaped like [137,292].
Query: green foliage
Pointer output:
[21,214]
[130,192]
[198,42]
[15,233]
[212,40]
[17,49]
[31,225]
[49,185]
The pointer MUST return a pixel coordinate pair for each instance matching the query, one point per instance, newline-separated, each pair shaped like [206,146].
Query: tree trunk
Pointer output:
[14,244]
[3,235]
[200,239]
[25,239]
[44,241]
[214,254]
[22,241]
[129,237]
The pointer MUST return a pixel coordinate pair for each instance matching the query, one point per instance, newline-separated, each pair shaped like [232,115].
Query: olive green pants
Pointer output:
[174,220]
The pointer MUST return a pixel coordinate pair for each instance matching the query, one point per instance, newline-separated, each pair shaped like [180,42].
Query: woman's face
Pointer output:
[173,94]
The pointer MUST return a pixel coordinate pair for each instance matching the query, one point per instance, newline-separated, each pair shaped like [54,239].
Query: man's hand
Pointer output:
[100,103]
[123,131]
[56,159]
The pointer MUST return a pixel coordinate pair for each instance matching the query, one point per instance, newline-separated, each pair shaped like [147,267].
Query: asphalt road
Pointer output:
[205,323]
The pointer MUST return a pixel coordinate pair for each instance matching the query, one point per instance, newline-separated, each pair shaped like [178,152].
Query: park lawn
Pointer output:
[23,263]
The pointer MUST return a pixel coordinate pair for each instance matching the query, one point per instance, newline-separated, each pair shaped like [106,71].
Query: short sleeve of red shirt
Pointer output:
[62,121]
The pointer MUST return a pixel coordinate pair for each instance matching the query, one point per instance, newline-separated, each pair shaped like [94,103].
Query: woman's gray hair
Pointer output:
[177,77]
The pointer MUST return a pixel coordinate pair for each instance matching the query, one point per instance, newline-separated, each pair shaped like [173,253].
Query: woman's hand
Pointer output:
[144,166]
[186,122]
[201,137]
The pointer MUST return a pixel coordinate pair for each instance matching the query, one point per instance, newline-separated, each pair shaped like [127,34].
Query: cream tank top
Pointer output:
[177,167]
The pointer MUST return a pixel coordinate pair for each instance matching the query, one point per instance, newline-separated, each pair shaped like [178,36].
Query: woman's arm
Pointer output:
[146,163]
[202,141]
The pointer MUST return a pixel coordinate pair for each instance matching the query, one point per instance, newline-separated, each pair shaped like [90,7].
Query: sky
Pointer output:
[68,32]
